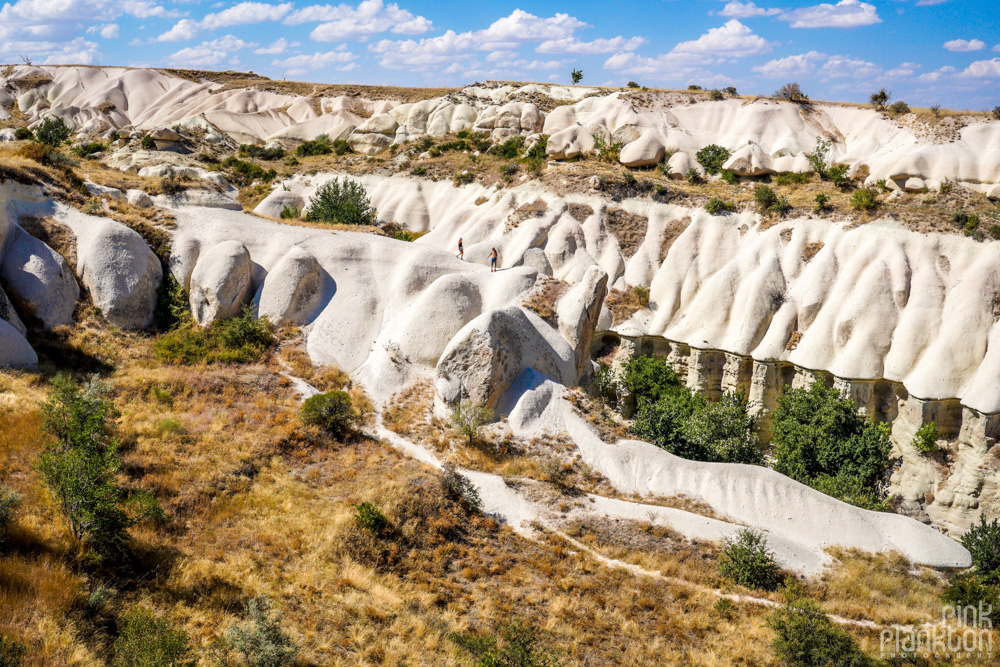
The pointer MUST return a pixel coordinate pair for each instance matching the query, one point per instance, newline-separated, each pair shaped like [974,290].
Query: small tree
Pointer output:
[731,91]
[791,92]
[332,411]
[345,202]
[880,99]
[146,640]
[633,84]
[805,637]
[712,157]
[717,206]
[470,417]
[11,652]
[259,640]
[52,132]
[458,488]
[925,439]
[716,95]
[996,112]
[983,542]
[822,201]
[577,76]
[865,199]
[748,561]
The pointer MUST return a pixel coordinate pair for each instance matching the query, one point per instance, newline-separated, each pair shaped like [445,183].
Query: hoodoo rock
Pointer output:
[220,282]
[39,278]
[292,290]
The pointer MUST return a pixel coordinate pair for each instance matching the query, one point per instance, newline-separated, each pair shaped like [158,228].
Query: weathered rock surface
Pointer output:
[578,311]
[220,283]
[38,278]
[292,290]
[278,201]
[14,348]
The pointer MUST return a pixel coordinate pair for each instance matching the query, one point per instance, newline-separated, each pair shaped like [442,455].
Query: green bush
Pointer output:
[519,645]
[9,501]
[463,178]
[791,177]
[748,562]
[819,433]
[805,637]
[865,199]
[318,146]
[259,639]
[633,84]
[694,87]
[731,91]
[172,306]
[291,212]
[608,152]
[261,152]
[648,379]
[23,134]
[994,231]
[239,340]
[764,197]
[458,488]
[822,201]
[88,149]
[345,202]
[52,132]
[511,149]
[717,206]
[880,99]
[899,108]
[716,95]
[11,652]
[983,542]
[332,411]
[403,235]
[791,92]
[728,177]
[967,589]
[996,112]
[968,222]
[145,640]
[369,517]
[576,75]
[712,157]
[469,417]
[243,173]
[693,176]
[852,491]
[925,440]
[147,143]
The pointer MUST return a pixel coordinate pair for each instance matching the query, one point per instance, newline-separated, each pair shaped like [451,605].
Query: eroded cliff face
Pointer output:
[949,489]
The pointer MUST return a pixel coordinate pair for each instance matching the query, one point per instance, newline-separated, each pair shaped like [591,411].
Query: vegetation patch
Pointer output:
[242,339]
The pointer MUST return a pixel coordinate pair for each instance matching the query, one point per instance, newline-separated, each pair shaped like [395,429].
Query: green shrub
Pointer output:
[261,152]
[729,177]
[764,197]
[852,491]
[23,134]
[243,173]
[463,178]
[791,92]
[332,411]
[818,158]
[403,235]
[712,157]
[899,108]
[369,517]
[880,99]
[291,212]
[968,222]
[145,640]
[88,149]
[925,440]
[967,590]
[996,112]
[239,340]
[791,177]
[865,199]
[731,91]
[994,231]
[822,201]
[259,639]
[80,466]
[837,174]
[147,143]
[694,87]
[519,645]
[469,417]
[52,132]
[458,488]
[805,637]
[418,170]
[648,379]
[606,152]
[717,206]
[345,202]
[819,433]
[983,542]
[511,149]
[576,75]
[11,652]
[748,562]
[9,501]
[633,84]
[172,306]
[716,95]
[694,177]
[318,146]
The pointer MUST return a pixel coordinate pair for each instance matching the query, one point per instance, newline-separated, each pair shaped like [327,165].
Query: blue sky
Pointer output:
[925,51]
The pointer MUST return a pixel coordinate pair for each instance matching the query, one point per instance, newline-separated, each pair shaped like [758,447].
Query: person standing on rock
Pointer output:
[461,249]
[493,260]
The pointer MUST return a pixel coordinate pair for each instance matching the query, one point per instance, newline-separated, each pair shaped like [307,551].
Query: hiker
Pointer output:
[493,260]
[461,249]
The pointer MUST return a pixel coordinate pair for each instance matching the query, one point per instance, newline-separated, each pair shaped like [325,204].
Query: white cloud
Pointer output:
[107,31]
[982,69]
[183,30]
[61,20]
[790,66]
[732,40]
[904,70]
[845,66]
[844,14]
[313,61]
[938,74]
[745,10]
[964,45]
[76,51]
[428,52]
[368,18]
[209,53]
[143,9]
[571,45]
[245,13]
[276,47]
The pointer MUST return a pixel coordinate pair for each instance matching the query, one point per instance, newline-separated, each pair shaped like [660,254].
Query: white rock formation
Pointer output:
[220,283]
[292,290]
[14,348]
[38,277]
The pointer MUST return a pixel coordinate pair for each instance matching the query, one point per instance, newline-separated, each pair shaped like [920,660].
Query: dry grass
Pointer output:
[624,304]
[544,296]
[628,228]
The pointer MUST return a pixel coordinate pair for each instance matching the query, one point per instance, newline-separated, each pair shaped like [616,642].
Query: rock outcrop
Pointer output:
[578,311]
[292,290]
[220,283]
[14,348]
[39,279]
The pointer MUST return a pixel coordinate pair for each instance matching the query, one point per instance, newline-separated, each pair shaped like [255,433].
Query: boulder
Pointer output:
[680,163]
[39,280]
[751,160]
[914,184]
[138,198]
[572,142]
[380,124]
[994,194]
[369,144]
[7,134]
[171,171]
[205,198]
[9,315]
[220,282]
[14,348]
[536,259]
[103,190]
[579,310]
[165,138]
[643,152]
[626,134]
[277,201]
[120,271]
[292,290]
[487,354]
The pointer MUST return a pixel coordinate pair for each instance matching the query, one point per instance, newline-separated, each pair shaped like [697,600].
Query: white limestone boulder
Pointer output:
[994,194]
[198,197]
[138,198]
[119,269]
[220,283]
[751,160]
[579,310]
[486,356]
[9,315]
[278,201]
[292,290]
[14,348]
[38,278]
[572,142]
[370,143]
[645,151]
